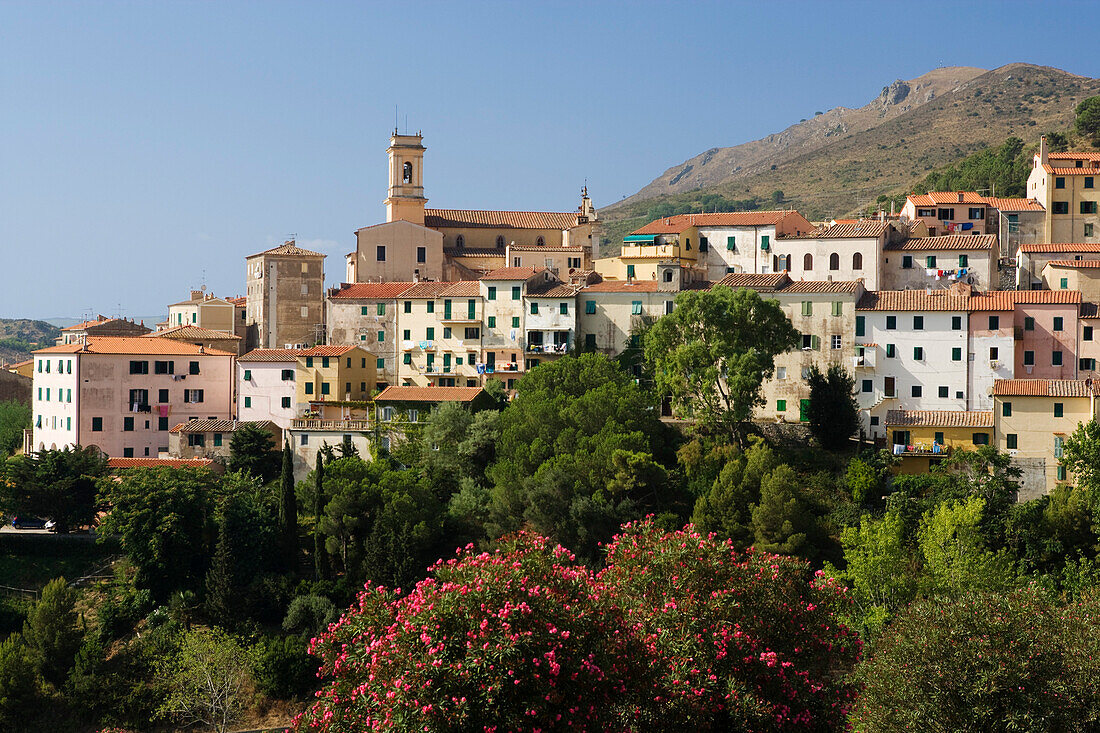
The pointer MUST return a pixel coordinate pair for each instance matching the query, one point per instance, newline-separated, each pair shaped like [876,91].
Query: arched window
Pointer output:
[460,241]
[407,173]
[500,240]
[857,261]
[808,262]
[540,241]
[834,261]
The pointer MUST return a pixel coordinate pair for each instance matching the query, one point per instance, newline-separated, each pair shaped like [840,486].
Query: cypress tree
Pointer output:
[288,510]
[222,592]
[320,556]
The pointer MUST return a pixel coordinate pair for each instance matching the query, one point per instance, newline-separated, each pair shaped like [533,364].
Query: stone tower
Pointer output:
[405,197]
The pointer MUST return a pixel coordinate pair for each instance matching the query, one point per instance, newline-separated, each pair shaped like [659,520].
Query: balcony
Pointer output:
[336,426]
[456,317]
[547,348]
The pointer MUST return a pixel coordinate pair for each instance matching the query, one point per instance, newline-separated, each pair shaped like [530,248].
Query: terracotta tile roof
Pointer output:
[376,291]
[1006,300]
[1061,247]
[288,248]
[159,462]
[239,301]
[218,426]
[428,394]
[821,286]
[912,300]
[326,350]
[1002,204]
[463,289]
[205,298]
[946,242]
[1043,388]
[622,286]
[1073,156]
[754,281]
[537,248]
[280,355]
[474,252]
[1076,264]
[18,364]
[551,289]
[84,324]
[940,418]
[1089,310]
[871,228]
[136,345]
[1083,171]
[428,289]
[471,218]
[187,331]
[937,198]
[512,273]
[679,222]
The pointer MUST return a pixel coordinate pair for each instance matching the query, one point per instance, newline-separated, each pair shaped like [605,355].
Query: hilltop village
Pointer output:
[966,319]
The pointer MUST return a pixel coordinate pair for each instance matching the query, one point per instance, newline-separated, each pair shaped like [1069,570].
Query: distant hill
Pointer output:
[19,336]
[840,161]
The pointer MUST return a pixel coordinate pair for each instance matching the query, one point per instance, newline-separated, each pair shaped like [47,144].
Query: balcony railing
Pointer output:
[309,423]
[547,348]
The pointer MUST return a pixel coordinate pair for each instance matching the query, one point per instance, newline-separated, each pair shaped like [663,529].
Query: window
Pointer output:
[636,308]
[857,261]
[981,439]
[563,309]
[492,292]
[807,308]
[808,262]
[956,323]
[1061,472]
[192,396]
[1029,323]
[492,321]
[309,387]
[136,367]
[429,333]
[1056,358]
[1029,358]
[838,308]
[956,354]
[834,261]
[891,351]
[1063,283]
[1059,207]
[918,323]
[127,452]
[431,306]
[380,253]
[867,385]
[891,323]
[589,307]
[964,261]
[515,321]
[287,375]
[407,359]
[590,340]
[916,391]
[248,375]
[1088,181]
[1010,441]
[196,439]
[993,353]
[945,214]
[472,333]
[162,423]
[515,292]
[407,306]
[780,405]
[1088,230]
[810,342]
[325,386]
[534,308]
[765,242]
[781,372]
[1058,322]
[1086,365]
[217,439]
[128,424]
[835,341]
[907,262]
[97,424]
[164,367]
[285,403]
[1006,409]
[421,254]
[1086,333]
[1088,207]
[1013,223]
[930,261]
[944,392]
[500,242]
[1059,182]
[861,325]
[1058,409]
[629,272]
[380,363]
[731,244]
[324,362]
[248,402]
[994,323]
[193,367]
[406,334]
[918,353]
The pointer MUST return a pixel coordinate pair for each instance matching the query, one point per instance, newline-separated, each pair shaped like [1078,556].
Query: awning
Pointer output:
[640,238]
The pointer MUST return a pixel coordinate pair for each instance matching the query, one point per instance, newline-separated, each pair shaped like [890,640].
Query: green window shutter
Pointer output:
[1010,441]
[590,340]
[930,261]
[447,361]
[248,402]
[407,359]
[447,309]
[731,243]
[636,307]
[837,307]
[431,359]
[217,439]
[861,325]
[408,306]
[1063,283]
[589,307]
[381,309]
[324,387]
[1029,323]
[890,351]
[380,363]
[492,292]
[309,387]
[248,375]
[629,271]
[803,410]
[431,306]
[956,354]
[807,308]
[938,437]
[364,311]
[515,321]
[964,261]
[381,337]
[309,362]
[1058,323]
[1006,409]
[406,334]
[429,333]
[515,292]
[492,321]
[471,309]
[563,309]
[906,261]
[446,332]
[765,242]
[1058,409]
[815,342]
[780,405]
[534,308]
[918,353]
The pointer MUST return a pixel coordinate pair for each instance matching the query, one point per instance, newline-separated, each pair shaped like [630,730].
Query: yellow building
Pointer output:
[440,334]
[671,240]
[1033,419]
[204,310]
[922,437]
[1066,184]
[1083,275]
[333,373]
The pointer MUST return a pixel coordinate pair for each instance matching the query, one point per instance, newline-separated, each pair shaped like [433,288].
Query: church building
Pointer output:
[417,243]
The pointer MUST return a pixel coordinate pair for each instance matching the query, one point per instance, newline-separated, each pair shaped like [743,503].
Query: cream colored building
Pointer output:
[845,252]
[123,394]
[365,314]
[199,336]
[440,326]
[204,310]
[286,298]
[1065,184]
[612,313]
[417,243]
[212,438]
[1032,258]
[1083,275]
[1034,417]
[935,262]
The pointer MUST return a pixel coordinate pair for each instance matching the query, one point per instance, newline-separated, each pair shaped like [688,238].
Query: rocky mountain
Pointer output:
[841,160]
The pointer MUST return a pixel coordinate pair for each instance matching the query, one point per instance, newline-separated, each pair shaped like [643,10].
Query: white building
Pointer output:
[550,321]
[743,241]
[266,386]
[933,262]
[843,251]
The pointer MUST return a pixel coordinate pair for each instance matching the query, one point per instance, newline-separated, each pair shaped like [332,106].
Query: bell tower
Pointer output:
[405,200]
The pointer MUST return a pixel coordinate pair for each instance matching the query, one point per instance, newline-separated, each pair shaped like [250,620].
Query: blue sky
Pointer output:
[149,147]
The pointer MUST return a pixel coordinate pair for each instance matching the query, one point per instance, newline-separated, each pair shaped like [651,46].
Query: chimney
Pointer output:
[960,197]
[1043,150]
[196,295]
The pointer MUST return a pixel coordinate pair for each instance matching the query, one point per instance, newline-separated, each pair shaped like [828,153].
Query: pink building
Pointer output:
[1045,323]
[123,394]
[950,212]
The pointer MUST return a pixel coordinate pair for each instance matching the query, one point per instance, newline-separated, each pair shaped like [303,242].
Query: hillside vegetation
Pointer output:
[854,168]
[20,336]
